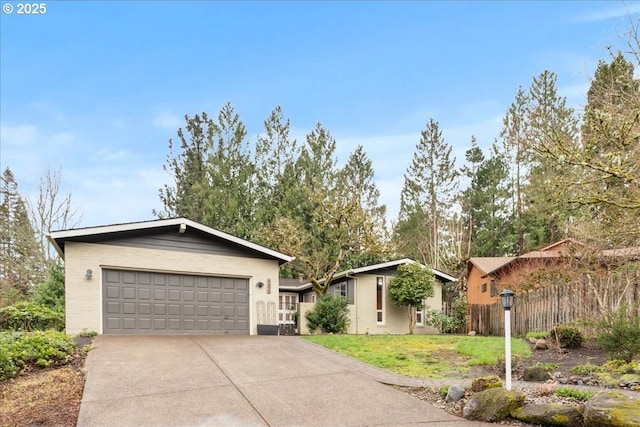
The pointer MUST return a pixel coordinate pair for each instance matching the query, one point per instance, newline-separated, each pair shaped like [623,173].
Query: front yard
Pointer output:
[425,356]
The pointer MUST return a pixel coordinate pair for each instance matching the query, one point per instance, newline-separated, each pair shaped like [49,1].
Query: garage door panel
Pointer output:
[113,292]
[113,308]
[128,323]
[157,303]
[144,308]
[128,293]
[144,293]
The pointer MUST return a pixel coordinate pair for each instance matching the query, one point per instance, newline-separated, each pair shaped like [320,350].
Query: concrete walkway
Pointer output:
[242,381]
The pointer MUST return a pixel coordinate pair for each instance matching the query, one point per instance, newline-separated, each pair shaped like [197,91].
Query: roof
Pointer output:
[487,264]
[443,277]
[58,238]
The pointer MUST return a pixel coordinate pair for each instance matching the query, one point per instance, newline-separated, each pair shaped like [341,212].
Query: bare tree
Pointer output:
[52,210]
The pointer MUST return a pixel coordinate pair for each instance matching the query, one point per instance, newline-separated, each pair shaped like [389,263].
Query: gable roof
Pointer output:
[488,264]
[443,277]
[58,238]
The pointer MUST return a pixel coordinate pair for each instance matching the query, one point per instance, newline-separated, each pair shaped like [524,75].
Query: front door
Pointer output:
[288,309]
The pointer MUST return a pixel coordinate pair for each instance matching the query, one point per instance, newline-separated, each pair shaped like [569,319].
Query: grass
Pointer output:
[575,394]
[422,356]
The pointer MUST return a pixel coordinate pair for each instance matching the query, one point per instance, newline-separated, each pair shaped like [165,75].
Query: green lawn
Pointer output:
[422,356]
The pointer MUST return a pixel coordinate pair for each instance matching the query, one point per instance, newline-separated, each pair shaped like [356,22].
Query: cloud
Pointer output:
[20,135]
[167,121]
[628,9]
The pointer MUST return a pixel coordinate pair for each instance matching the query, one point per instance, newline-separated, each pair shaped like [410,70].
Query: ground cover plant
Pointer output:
[423,356]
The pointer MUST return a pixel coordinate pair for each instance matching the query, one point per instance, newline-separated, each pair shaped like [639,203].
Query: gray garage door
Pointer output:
[137,302]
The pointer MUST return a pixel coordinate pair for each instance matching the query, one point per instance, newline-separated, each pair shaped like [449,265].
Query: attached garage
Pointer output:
[172,276]
[136,302]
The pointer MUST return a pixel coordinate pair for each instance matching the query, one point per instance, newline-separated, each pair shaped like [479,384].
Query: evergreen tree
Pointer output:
[427,195]
[20,269]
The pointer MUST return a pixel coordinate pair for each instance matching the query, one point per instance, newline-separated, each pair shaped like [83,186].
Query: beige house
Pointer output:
[168,276]
[370,307]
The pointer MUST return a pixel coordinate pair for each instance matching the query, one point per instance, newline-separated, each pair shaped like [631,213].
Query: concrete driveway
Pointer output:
[239,381]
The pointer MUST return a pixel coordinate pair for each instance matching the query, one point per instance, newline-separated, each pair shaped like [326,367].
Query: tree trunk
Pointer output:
[411,310]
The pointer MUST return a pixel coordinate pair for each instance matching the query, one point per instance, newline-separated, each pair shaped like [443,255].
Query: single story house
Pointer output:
[370,307]
[167,276]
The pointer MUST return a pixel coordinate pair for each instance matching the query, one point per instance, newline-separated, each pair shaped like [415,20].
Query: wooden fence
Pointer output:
[580,304]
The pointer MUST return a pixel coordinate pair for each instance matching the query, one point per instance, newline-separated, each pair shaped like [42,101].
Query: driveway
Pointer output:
[239,381]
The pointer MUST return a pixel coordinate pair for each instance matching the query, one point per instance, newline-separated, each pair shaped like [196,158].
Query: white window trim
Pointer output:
[381,310]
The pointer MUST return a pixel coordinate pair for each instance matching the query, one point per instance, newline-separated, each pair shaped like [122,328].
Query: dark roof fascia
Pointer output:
[57,238]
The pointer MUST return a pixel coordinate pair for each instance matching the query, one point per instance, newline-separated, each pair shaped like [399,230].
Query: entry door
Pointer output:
[288,306]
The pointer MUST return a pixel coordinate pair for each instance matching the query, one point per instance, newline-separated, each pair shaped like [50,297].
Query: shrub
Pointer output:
[43,348]
[537,335]
[330,314]
[86,333]
[51,292]
[587,369]
[575,394]
[40,348]
[441,321]
[619,334]
[27,316]
[567,336]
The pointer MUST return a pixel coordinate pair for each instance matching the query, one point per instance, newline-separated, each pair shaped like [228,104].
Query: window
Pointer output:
[340,289]
[420,317]
[494,288]
[484,287]
[380,299]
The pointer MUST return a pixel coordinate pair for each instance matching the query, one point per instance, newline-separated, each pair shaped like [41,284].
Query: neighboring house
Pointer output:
[487,276]
[370,307]
[168,276]
[482,288]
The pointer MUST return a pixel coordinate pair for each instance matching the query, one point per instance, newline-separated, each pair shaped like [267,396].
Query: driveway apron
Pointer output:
[238,381]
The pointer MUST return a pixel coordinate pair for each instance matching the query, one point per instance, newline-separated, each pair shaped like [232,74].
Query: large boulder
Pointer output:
[455,393]
[535,373]
[548,414]
[483,383]
[612,409]
[492,405]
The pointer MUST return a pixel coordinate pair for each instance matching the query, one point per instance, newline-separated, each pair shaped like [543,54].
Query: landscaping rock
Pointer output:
[535,373]
[612,409]
[548,414]
[455,393]
[484,383]
[493,404]
[472,333]
[541,344]
[533,340]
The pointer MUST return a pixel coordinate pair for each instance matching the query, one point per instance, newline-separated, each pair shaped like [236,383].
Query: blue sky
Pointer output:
[99,87]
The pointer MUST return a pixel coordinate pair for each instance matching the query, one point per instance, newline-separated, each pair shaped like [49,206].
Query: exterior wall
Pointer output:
[362,314]
[395,317]
[474,288]
[83,296]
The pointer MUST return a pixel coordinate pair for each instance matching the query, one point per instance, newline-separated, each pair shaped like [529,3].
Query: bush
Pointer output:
[51,292]
[28,316]
[44,348]
[567,336]
[441,321]
[330,314]
[40,348]
[537,335]
[575,394]
[619,335]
